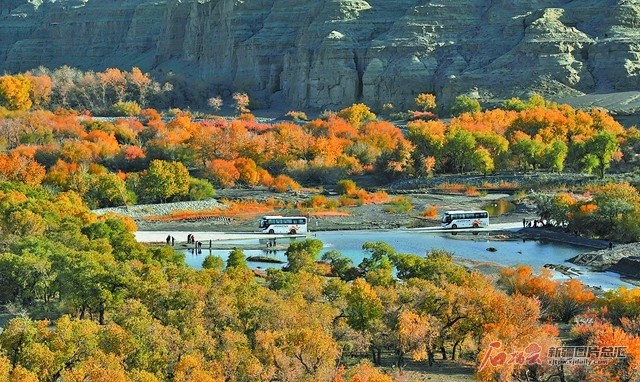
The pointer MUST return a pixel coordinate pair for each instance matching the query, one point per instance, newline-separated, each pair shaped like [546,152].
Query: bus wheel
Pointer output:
[292,232]
[271,232]
[454,226]
[475,225]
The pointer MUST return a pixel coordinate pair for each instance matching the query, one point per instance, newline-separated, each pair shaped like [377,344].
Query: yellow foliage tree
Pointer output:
[357,114]
[14,92]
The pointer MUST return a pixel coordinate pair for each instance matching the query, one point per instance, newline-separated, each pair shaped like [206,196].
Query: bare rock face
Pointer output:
[331,53]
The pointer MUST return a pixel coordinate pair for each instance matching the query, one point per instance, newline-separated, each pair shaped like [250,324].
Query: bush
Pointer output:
[283,183]
[126,109]
[200,189]
[346,187]
[430,212]
[318,201]
[464,104]
[297,115]
[399,205]
[346,201]
[213,262]
[471,191]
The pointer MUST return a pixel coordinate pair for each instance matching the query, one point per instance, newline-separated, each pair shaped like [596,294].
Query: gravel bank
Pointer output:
[142,211]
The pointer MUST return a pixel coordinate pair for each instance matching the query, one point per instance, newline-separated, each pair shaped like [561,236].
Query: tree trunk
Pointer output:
[453,351]
[101,314]
[444,352]
[430,357]
[400,361]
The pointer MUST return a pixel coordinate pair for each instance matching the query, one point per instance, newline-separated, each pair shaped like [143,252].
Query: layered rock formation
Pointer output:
[331,53]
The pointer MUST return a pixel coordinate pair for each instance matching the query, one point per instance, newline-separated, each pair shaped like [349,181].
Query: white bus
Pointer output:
[465,219]
[283,224]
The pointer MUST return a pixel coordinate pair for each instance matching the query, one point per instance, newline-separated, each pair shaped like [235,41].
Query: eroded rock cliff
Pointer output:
[331,53]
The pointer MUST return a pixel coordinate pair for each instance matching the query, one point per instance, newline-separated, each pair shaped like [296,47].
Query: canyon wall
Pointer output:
[326,54]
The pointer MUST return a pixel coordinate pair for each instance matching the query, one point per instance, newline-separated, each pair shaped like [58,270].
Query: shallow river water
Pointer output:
[535,253]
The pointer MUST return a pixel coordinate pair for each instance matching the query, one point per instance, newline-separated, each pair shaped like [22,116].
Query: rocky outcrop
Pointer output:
[610,259]
[628,266]
[331,53]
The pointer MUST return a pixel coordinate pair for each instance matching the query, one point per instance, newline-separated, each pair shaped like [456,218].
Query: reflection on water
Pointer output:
[535,253]
[499,207]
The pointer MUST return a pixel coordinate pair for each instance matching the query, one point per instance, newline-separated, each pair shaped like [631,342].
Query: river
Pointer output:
[535,253]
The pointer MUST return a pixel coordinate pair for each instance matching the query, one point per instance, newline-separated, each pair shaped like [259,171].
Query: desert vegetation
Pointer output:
[90,303]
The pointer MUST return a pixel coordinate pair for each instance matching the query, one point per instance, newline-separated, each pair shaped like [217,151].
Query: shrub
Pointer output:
[283,183]
[126,108]
[318,201]
[297,115]
[377,197]
[422,115]
[471,191]
[346,187]
[464,104]
[200,189]
[452,187]
[332,204]
[430,212]
[398,205]
[346,201]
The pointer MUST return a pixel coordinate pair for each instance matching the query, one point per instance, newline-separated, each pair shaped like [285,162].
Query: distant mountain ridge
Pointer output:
[326,54]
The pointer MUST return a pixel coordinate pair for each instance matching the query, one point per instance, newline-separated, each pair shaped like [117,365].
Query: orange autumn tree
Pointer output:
[18,168]
[617,357]
[522,280]
[222,172]
[366,372]
[514,343]
[41,88]
[570,299]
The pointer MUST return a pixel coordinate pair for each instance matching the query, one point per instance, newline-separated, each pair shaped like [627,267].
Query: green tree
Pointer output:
[459,149]
[107,190]
[589,162]
[378,267]
[163,181]
[237,259]
[555,154]
[213,262]
[617,212]
[303,255]
[200,189]
[515,104]
[464,104]
[437,266]
[340,265]
[528,152]
[603,146]
[364,311]
[482,161]
[364,306]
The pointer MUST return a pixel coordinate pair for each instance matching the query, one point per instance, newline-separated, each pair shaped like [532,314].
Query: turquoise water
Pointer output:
[535,253]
